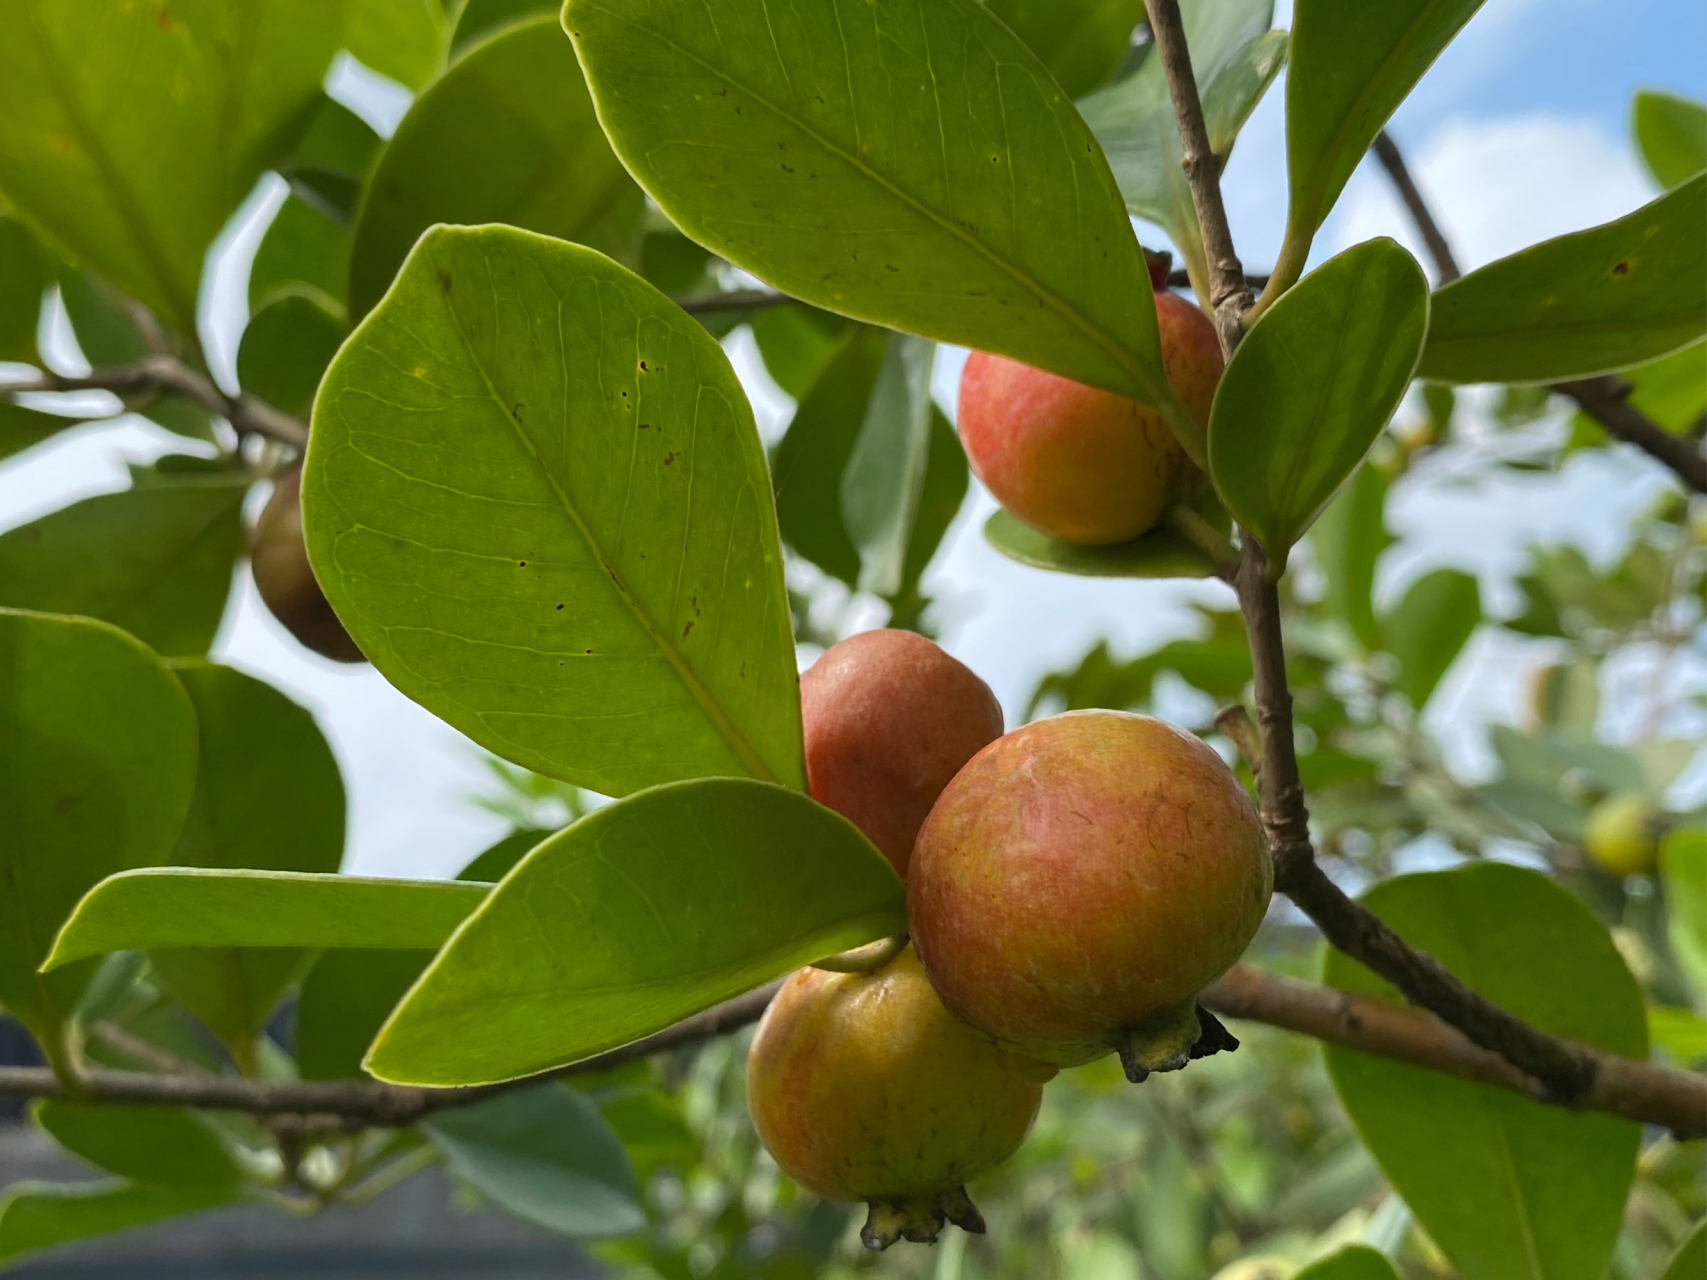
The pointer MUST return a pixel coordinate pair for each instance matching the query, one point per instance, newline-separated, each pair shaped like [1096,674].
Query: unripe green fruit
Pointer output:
[889,719]
[279,561]
[1080,881]
[863,1087]
[1079,464]
[1622,834]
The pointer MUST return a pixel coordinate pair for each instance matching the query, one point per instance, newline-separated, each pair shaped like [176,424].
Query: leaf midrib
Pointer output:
[1095,332]
[744,750]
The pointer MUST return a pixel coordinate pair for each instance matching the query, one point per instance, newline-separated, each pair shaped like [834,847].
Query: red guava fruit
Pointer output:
[1080,881]
[279,562]
[863,1087]
[1079,464]
[889,719]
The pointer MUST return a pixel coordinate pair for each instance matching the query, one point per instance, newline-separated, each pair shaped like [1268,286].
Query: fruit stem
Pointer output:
[1206,538]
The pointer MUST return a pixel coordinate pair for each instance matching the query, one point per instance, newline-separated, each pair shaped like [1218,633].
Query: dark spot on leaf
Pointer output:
[645,425]
[559,606]
[516,412]
[521,564]
[670,457]
[643,368]
[687,629]
[1621,268]
[788,168]
[693,603]
[589,651]
[890,266]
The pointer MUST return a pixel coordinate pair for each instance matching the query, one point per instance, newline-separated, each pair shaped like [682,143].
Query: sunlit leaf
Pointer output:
[1671,134]
[397,38]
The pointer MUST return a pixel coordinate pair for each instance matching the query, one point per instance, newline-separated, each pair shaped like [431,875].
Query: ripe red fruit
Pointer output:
[889,719]
[863,1087]
[1080,881]
[279,561]
[1079,464]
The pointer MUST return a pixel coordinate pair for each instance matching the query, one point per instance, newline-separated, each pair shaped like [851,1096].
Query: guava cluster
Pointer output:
[1071,887]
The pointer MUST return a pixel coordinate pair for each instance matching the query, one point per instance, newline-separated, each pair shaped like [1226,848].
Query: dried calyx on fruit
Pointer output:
[863,1087]
[279,561]
[1081,881]
[1080,464]
[889,718]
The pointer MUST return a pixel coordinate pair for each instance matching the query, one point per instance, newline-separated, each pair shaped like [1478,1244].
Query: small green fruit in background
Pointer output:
[1623,832]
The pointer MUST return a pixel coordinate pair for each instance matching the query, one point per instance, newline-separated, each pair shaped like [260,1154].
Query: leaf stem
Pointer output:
[1206,538]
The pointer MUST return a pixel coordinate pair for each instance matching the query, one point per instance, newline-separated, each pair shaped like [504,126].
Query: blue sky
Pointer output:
[1518,133]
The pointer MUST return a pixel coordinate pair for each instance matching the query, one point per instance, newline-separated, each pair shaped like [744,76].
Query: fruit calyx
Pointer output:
[919,1218]
[1171,1039]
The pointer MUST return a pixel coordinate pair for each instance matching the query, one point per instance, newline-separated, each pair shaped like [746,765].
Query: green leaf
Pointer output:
[25,273]
[546,1155]
[1352,64]
[507,134]
[397,38]
[1428,627]
[537,500]
[22,428]
[156,562]
[1312,385]
[1161,553]
[1596,300]
[1353,1262]
[130,132]
[1509,1188]
[1347,540]
[97,765]
[39,1215]
[197,907]
[1683,871]
[915,167]
[480,18]
[660,905]
[286,348]
[885,474]
[1133,119]
[1080,41]
[303,247]
[268,796]
[328,167]
[345,998]
[1690,1260]
[1671,133]
[169,1146]
[947,479]
[1679,1032]
[493,864]
[796,342]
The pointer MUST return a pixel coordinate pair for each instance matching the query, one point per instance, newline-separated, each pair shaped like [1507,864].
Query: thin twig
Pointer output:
[1348,925]
[146,1052]
[161,374]
[1605,398]
[706,304]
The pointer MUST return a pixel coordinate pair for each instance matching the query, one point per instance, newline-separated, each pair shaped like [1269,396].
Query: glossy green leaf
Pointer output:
[1134,120]
[268,797]
[885,474]
[479,18]
[1596,300]
[1347,540]
[1354,1262]
[1312,385]
[914,166]
[397,38]
[1671,134]
[25,273]
[130,132]
[1509,1188]
[796,342]
[303,249]
[286,348]
[1426,629]
[22,428]
[547,1156]
[164,907]
[1683,870]
[1161,553]
[947,478]
[345,998]
[157,562]
[1352,64]
[536,497]
[1690,1260]
[169,1146]
[660,905]
[97,765]
[508,135]
[39,1215]
[1080,41]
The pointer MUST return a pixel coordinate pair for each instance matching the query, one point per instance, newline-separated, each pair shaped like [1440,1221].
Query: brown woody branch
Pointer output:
[162,374]
[1605,399]
[1561,1069]
[1639,1090]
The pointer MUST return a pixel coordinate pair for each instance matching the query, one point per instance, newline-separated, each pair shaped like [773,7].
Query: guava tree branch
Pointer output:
[162,374]
[1639,1090]
[1564,1071]
[1606,398]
